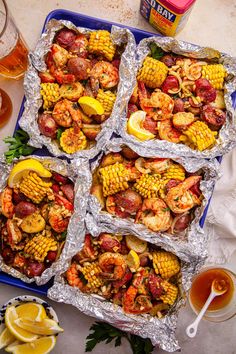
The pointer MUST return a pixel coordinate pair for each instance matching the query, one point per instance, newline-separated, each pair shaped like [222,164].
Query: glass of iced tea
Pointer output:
[222,307]
[13,50]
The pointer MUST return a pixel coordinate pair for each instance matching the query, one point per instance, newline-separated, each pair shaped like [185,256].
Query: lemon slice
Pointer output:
[19,333]
[44,327]
[133,261]
[42,345]
[90,105]
[22,168]
[10,346]
[6,338]
[31,311]
[135,126]
[135,244]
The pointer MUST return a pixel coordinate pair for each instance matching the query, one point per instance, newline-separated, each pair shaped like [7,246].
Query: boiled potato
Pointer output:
[33,223]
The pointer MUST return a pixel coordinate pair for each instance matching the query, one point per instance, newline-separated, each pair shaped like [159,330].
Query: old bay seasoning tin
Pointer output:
[167,16]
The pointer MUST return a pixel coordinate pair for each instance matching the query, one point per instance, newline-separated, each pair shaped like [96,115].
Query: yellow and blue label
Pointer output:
[161,18]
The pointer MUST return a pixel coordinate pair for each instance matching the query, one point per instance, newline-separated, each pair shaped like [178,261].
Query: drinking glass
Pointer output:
[5,108]
[13,50]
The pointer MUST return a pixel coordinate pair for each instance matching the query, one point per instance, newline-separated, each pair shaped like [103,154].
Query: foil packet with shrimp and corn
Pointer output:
[136,286]
[42,209]
[179,100]
[75,86]
[156,198]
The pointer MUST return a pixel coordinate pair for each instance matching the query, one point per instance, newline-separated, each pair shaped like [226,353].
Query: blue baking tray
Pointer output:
[92,23]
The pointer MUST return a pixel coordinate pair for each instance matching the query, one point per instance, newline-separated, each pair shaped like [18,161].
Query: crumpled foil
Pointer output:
[194,240]
[28,121]
[77,172]
[160,331]
[227,135]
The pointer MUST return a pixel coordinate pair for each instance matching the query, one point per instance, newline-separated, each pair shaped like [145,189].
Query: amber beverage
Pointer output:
[13,50]
[222,307]
[15,63]
[5,108]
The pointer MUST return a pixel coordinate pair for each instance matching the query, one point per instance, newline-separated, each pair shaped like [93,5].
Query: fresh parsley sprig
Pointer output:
[104,332]
[17,145]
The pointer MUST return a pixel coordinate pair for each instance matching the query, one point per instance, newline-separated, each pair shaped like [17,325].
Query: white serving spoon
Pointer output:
[191,330]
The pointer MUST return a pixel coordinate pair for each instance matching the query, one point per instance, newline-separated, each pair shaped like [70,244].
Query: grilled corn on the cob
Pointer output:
[165,263]
[175,172]
[107,100]
[91,272]
[114,178]
[153,72]
[148,185]
[100,42]
[39,246]
[33,187]
[216,74]
[171,293]
[50,93]
[72,141]
[200,136]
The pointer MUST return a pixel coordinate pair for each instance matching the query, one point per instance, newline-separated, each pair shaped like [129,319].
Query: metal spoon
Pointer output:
[217,288]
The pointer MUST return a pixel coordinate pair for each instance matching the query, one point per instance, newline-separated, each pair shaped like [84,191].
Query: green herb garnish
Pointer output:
[82,278]
[156,52]
[166,209]
[63,235]
[17,145]
[84,82]
[104,332]
[59,132]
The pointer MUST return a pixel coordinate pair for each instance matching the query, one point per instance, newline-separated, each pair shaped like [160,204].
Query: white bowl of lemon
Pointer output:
[28,325]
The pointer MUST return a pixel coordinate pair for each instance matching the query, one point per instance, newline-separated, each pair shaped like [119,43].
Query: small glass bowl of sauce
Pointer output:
[222,307]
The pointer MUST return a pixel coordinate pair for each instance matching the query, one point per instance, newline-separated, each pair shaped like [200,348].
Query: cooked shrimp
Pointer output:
[135,303]
[168,132]
[158,165]
[59,55]
[59,213]
[155,215]
[6,205]
[180,198]
[72,276]
[65,112]
[104,74]
[14,233]
[56,218]
[158,106]
[116,260]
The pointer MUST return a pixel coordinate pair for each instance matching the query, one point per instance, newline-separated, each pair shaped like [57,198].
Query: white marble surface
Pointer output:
[212,23]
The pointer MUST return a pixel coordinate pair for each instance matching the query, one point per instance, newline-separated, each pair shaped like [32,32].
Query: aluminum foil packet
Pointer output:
[194,240]
[77,172]
[161,331]
[28,121]
[227,135]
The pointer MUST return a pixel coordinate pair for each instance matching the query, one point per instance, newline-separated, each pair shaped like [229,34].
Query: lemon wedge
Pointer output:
[135,244]
[135,126]
[19,333]
[10,346]
[90,105]
[23,167]
[31,311]
[42,345]
[6,338]
[44,327]
[133,261]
